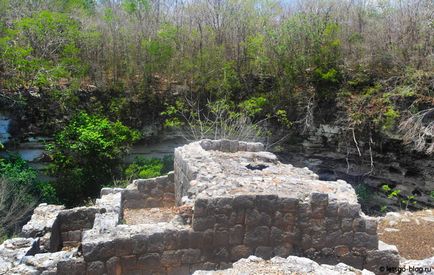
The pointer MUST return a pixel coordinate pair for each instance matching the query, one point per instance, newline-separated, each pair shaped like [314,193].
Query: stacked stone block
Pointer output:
[223,229]
[73,222]
[149,193]
[268,226]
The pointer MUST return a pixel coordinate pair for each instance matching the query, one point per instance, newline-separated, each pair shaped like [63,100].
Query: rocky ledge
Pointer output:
[225,168]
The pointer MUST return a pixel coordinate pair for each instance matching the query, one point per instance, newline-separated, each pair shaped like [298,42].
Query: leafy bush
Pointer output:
[86,155]
[364,194]
[41,49]
[17,172]
[47,192]
[145,168]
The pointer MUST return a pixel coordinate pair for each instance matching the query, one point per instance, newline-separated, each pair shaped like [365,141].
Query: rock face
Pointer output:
[291,265]
[326,151]
[14,250]
[234,200]
[44,224]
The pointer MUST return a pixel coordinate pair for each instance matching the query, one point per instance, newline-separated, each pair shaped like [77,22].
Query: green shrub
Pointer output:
[47,192]
[18,173]
[363,192]
[145,168]
[87,155]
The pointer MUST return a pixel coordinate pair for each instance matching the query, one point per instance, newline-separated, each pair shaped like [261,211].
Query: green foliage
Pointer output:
[19,174]
[256,53]
[395,194]
[47,192]
[144,168]
[17,171]
[86,155]
[135,6]
[40,49]
[364,194]
[253,105]
[160,50]
[390,117]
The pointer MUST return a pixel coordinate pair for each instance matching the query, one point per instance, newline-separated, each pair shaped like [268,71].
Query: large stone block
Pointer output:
[95,251]
[171,258]
[257,236]
[150,261]
[240,251]
[382,261]
[287,204]
[236,235]
[190,256]
[243,202]
[113,266]
[71,267]
[221,238]
[95,268]
[264,252]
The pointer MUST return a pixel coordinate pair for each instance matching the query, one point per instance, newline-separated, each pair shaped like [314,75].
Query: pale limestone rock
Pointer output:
[291,265]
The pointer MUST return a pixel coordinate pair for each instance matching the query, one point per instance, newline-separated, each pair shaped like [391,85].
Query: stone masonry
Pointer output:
[233,199]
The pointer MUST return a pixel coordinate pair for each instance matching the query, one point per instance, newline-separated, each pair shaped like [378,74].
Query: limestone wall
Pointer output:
[73,222]
[226,230]
[268,226]
[240,201]
[149,193]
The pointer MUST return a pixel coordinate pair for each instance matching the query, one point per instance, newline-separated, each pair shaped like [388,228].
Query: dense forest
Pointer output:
[94,75]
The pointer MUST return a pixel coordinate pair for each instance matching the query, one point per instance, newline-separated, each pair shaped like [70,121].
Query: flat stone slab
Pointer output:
[219,173]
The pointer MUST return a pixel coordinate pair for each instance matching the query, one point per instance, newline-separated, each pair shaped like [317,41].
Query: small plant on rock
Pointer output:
[394,193]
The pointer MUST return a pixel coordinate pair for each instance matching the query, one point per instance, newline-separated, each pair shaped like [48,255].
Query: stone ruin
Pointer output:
[226,200]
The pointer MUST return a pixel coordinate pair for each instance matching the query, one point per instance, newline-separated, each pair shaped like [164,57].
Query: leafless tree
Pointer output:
[418,130]
[15,206]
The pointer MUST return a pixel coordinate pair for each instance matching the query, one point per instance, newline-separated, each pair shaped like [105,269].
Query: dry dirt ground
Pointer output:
[149,215]
[411,232]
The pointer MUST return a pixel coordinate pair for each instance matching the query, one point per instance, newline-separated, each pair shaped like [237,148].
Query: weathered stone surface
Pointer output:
[264,252]
[378,260]
[95,268]
[113,266]
[241,251]
[291,265]
[71,267]
[47,261]
[231,175]
[234,200]
[413,267]
[258,236]
[42,220]
[13,251]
